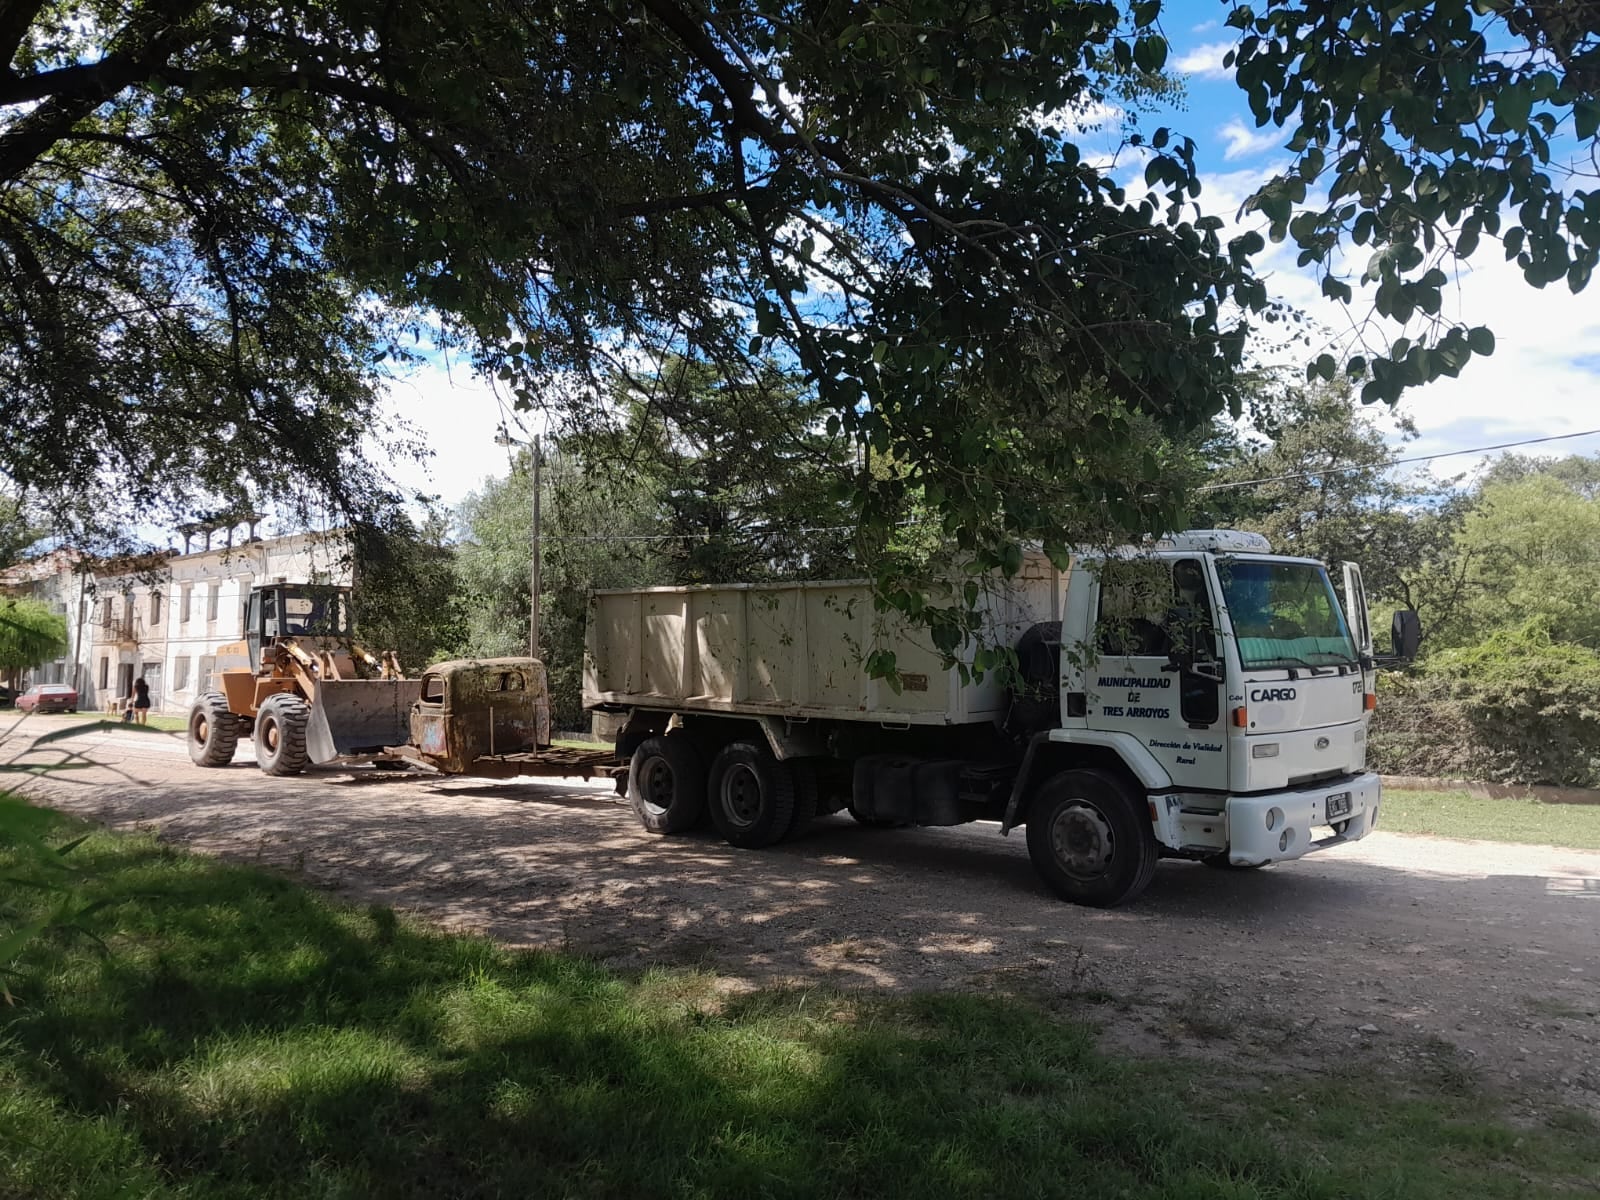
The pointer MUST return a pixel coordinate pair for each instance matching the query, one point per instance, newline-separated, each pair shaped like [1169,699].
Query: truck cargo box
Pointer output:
[795,649]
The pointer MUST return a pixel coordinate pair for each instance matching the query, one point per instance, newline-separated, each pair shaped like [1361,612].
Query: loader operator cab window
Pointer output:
[291,612]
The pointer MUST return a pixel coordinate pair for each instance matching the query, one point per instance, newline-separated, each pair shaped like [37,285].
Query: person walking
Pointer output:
[141,700]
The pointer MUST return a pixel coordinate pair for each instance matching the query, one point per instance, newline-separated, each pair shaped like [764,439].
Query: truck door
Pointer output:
[1147,610]
[1360,621]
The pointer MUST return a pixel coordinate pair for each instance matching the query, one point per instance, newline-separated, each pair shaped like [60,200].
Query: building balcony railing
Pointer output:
[124,631]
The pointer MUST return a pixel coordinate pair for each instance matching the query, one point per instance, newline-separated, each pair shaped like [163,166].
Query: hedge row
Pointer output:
[1517,708]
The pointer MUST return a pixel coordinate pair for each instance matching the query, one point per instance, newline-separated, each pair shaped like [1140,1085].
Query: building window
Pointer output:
[105,613]
[155,610]
[185,598]
[202,677]
[212,595]
[180,672]
[83,611]
[105,672]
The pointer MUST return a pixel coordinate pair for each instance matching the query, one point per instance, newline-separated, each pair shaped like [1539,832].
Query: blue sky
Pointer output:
[1543,378]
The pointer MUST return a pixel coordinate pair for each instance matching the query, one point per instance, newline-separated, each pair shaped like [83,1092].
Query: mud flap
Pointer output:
[358,716]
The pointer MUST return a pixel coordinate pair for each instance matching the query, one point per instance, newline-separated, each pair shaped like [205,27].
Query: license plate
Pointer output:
[1336,806]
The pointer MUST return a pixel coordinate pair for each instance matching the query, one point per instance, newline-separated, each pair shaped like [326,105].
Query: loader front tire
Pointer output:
[280,734]
[213,731]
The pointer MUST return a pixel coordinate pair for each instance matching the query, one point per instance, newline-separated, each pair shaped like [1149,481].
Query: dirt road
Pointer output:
[1449,955]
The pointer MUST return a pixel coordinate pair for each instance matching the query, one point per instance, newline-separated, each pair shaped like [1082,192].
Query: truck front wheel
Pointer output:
[752,795]
[666,784]
[1090,840]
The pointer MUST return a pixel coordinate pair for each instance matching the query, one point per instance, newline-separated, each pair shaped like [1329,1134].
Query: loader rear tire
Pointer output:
[667,784]
[213,731]
[280,734]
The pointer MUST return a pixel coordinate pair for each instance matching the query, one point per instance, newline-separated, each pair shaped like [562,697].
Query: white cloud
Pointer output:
[1541,379]
[455,414]
[1247,143]
[1205,60]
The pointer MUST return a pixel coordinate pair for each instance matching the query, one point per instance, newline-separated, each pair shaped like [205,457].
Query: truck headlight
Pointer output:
[1264,750]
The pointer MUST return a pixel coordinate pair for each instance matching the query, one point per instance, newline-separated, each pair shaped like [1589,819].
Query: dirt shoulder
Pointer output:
[1461,957]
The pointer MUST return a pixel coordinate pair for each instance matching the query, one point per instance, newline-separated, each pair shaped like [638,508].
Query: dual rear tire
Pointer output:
[751,798]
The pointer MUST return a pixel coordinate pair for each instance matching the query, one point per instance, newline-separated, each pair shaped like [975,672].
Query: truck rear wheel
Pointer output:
[752,795]
[280,734]
[667,784]
[213,731]
[1090,840]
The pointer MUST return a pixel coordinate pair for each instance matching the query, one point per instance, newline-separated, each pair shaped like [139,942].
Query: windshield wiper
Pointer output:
[1287,661]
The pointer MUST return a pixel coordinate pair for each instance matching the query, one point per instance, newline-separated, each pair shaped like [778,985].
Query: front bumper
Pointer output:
[1278,826]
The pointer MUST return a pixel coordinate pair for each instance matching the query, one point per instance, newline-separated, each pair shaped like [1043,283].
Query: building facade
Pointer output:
[162,617]
[167,628]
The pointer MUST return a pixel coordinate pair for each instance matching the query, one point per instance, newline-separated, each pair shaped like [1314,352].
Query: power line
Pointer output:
[1244,483]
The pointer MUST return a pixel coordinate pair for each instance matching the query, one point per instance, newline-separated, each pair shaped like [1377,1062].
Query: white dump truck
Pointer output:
[1199,698]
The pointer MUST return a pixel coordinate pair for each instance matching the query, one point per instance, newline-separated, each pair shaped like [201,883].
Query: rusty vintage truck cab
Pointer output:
[472,710]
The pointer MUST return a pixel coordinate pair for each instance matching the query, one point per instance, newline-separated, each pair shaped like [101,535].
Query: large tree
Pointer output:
[31,632]
[215,217]
[1317,475]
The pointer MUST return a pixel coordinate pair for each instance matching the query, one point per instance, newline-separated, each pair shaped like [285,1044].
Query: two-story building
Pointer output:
[162,616]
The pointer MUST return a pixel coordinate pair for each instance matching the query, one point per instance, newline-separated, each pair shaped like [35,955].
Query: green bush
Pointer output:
[1518,707]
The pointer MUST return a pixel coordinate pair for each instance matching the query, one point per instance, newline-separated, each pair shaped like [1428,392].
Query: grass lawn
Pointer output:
[241,1036]
[1456,814]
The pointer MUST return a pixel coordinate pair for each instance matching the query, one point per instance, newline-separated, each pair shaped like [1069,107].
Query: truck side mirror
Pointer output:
[1405,633]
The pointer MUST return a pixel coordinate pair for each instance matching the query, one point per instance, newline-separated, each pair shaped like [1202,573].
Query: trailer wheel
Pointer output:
[1090,840]
[667,784]
[280,734]
[213,731]
[752,795]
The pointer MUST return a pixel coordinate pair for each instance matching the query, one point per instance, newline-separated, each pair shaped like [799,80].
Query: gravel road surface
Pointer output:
[1455,958]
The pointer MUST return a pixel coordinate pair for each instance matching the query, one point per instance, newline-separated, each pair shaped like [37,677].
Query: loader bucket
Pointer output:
[358,716]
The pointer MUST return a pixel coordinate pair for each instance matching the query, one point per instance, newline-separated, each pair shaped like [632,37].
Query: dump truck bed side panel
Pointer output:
[798,649]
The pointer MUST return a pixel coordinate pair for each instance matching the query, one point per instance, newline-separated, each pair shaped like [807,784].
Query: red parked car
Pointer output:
[49,697]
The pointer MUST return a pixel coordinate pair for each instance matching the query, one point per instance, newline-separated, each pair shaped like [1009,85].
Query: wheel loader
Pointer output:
[300,687]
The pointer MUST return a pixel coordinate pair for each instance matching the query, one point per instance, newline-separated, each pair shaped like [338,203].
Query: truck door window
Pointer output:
[511,681]
[1135,595]
[433,689]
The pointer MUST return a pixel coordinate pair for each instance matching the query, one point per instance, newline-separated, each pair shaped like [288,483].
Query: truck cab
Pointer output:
[1233,684]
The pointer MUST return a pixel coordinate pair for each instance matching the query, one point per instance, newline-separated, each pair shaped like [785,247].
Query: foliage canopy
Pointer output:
[218,217]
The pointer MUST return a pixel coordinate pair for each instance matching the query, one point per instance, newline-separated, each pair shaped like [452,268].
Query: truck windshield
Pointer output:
[1284,614]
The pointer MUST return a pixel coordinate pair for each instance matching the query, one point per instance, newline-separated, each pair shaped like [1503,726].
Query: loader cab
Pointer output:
[293,610]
